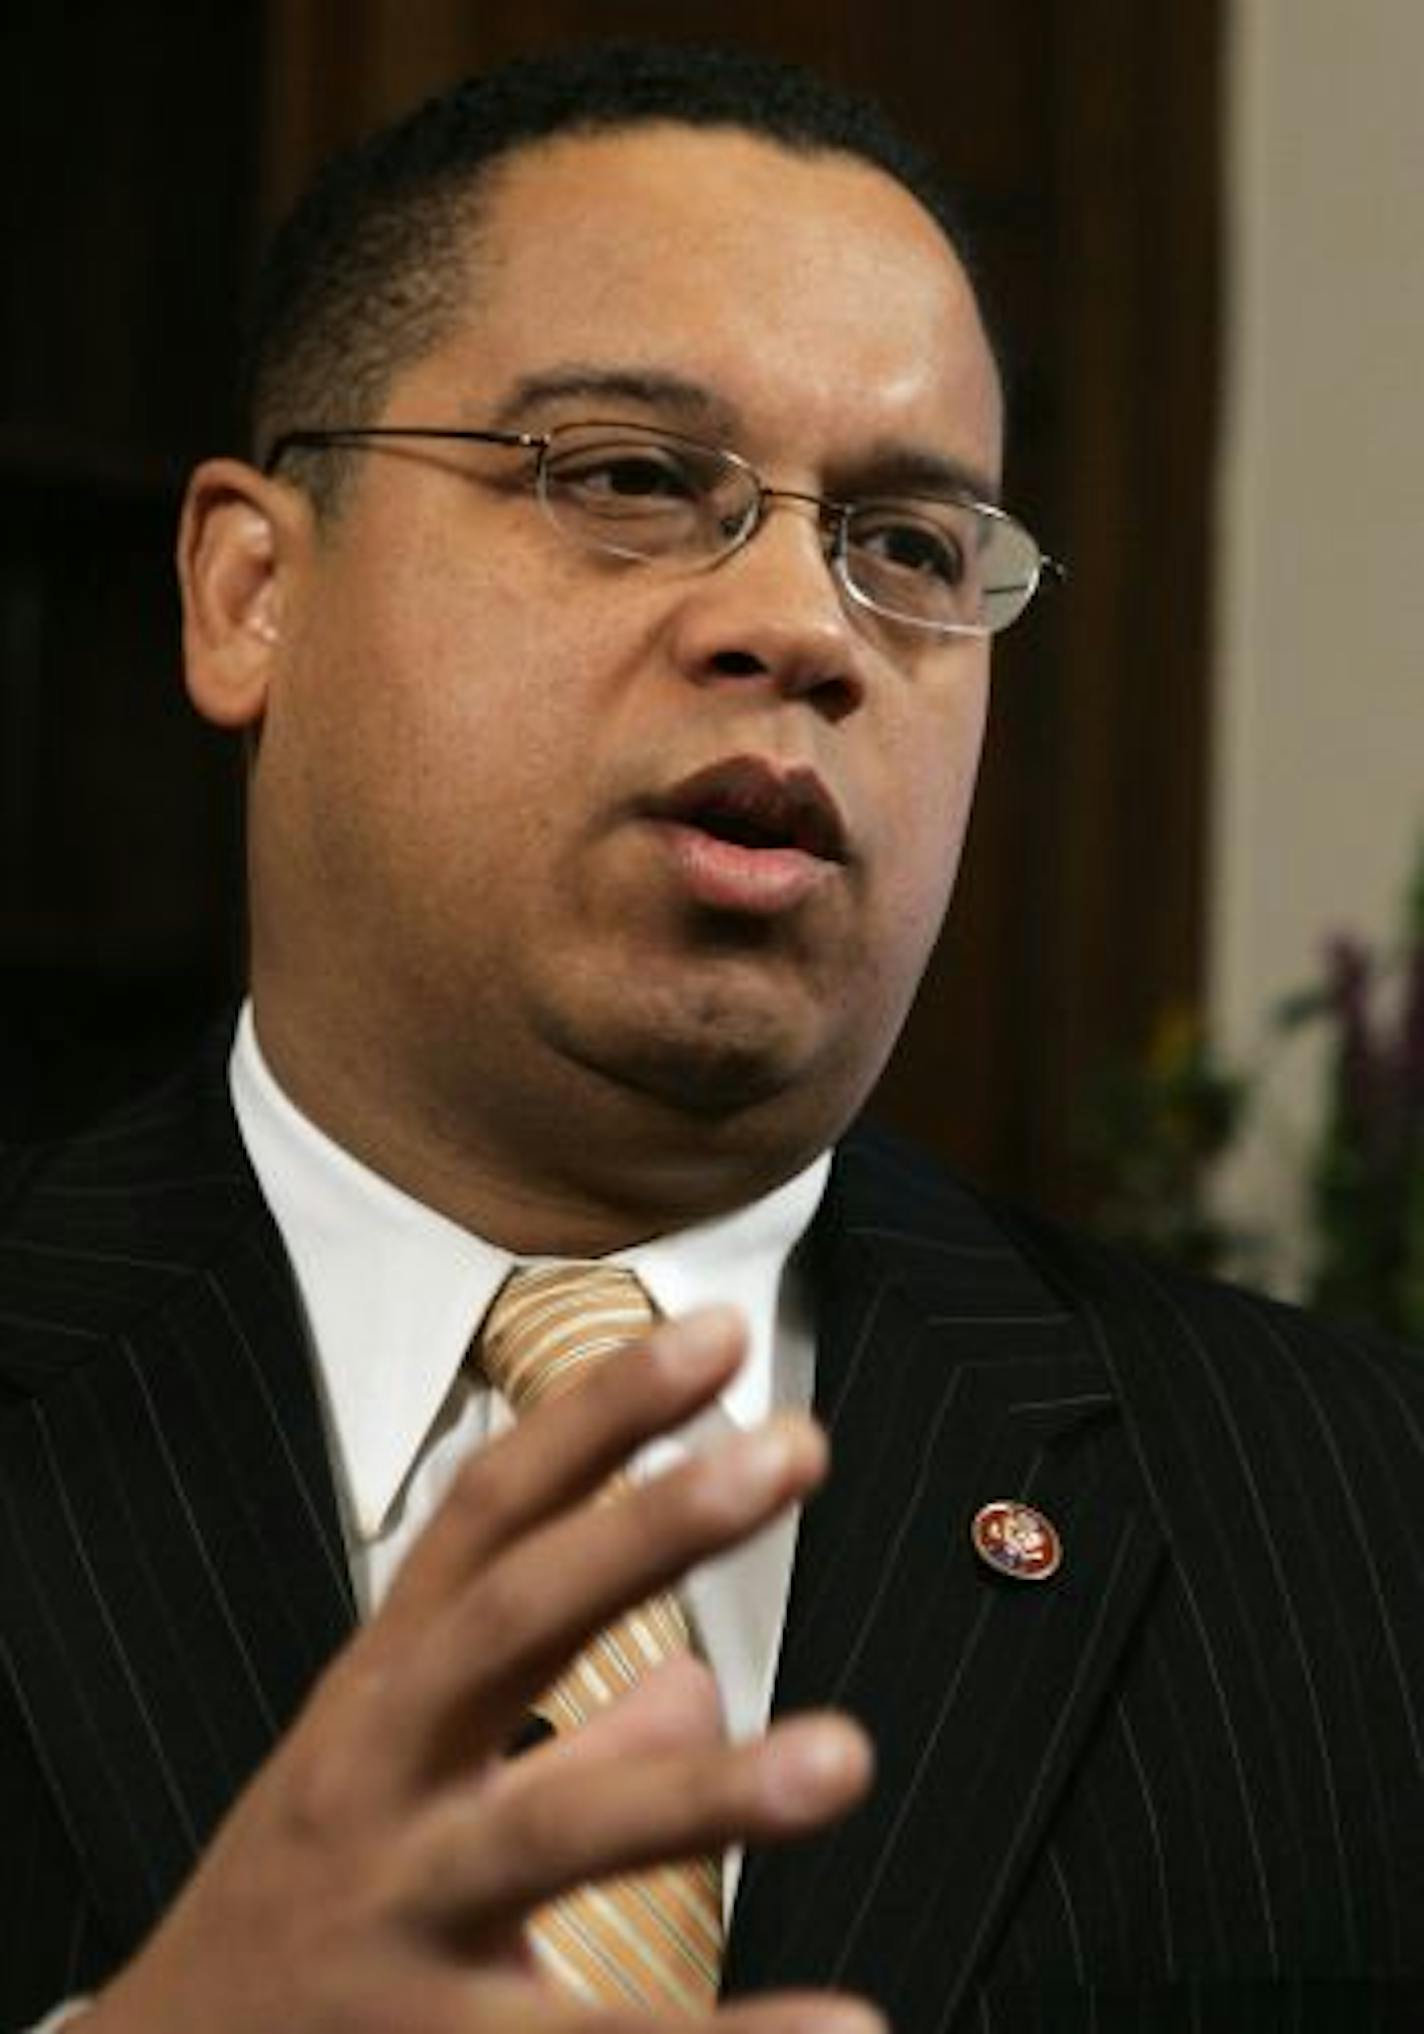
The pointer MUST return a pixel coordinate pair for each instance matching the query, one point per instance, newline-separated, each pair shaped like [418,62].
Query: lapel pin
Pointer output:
[1015,1540]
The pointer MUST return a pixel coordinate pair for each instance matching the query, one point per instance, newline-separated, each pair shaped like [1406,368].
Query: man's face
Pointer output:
[498,772]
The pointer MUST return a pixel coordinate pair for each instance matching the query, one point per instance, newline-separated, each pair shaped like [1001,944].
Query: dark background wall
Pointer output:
[148,146]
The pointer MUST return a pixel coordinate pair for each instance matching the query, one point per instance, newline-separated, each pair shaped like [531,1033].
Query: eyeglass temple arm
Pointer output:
[355,434]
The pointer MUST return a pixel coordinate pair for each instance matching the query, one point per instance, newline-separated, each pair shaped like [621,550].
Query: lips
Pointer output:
[748,838]
[750,804]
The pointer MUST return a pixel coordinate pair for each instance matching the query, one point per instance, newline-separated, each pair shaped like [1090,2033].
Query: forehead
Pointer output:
[797,290]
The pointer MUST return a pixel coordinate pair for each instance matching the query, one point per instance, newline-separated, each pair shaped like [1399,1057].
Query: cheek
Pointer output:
[427,713]
[933,796]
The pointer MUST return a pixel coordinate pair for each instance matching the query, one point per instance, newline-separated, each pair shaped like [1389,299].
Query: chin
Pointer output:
[770,1071]
[724,1046]
[707,1077]
[700,1061]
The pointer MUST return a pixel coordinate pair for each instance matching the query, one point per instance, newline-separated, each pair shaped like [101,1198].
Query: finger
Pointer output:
[562,1452]
[488,1656]
[675,1704]
[800,2013]
[515,2003]
[481,1861]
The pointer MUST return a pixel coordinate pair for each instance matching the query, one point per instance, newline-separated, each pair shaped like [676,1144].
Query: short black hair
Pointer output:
[370,268]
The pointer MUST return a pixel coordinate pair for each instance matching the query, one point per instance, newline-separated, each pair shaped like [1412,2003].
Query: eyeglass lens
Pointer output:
[649,494]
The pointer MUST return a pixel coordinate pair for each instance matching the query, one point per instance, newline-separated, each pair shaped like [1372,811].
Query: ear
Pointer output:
[237,544]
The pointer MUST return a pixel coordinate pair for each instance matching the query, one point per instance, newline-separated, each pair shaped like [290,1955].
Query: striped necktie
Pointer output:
[656,1937]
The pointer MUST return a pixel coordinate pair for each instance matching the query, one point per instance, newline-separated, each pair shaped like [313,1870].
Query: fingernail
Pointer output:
[850,2016]
[834,2013]
[694,1342]
[767,1453]
[818,1766]
[762,1456]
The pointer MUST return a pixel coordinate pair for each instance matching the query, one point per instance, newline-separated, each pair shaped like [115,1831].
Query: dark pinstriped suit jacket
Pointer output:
[1180,1785]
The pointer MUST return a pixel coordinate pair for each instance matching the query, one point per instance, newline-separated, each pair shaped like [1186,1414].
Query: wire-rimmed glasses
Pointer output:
[945,562]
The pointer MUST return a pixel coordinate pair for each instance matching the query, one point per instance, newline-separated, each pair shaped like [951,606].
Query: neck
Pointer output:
[510,1170]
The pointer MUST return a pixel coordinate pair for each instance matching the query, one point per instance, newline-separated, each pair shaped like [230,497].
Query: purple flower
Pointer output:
[1349,974]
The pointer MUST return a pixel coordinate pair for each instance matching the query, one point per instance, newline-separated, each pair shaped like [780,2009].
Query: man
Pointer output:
[608,619]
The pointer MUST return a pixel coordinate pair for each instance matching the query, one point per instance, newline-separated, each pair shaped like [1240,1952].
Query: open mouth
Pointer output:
[748,804]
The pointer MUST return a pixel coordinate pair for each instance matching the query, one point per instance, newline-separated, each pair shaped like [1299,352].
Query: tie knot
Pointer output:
[550,1324]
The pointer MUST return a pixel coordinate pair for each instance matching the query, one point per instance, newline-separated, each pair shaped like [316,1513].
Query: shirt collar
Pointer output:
[393,1291]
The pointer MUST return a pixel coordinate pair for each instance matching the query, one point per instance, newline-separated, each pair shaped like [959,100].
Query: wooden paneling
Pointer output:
[126,216]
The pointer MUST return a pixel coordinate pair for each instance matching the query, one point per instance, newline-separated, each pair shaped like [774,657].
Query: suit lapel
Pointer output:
[179,1579]
[948,1375]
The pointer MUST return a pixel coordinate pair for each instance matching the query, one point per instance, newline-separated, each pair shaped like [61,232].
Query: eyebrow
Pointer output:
[890,467]
[652,387]
[893,468]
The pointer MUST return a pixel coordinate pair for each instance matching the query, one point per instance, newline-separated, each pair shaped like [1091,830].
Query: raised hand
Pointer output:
[375,1876]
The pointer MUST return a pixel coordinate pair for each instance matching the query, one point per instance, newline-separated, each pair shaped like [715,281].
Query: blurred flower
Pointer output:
[1151,1134]
[1154,1131]
[1367,1178]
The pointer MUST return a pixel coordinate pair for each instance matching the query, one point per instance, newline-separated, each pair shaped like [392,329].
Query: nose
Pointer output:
[774,610]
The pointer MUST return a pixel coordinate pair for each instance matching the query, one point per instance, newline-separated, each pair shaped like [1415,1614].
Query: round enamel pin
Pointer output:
[1015,1540]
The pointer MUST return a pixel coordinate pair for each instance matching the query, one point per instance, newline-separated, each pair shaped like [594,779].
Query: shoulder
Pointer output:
[97,1226]
[1161,1330]
[1237,1337]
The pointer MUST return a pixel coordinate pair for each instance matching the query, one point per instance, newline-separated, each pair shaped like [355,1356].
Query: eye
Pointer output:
[908,541]
[617,479]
